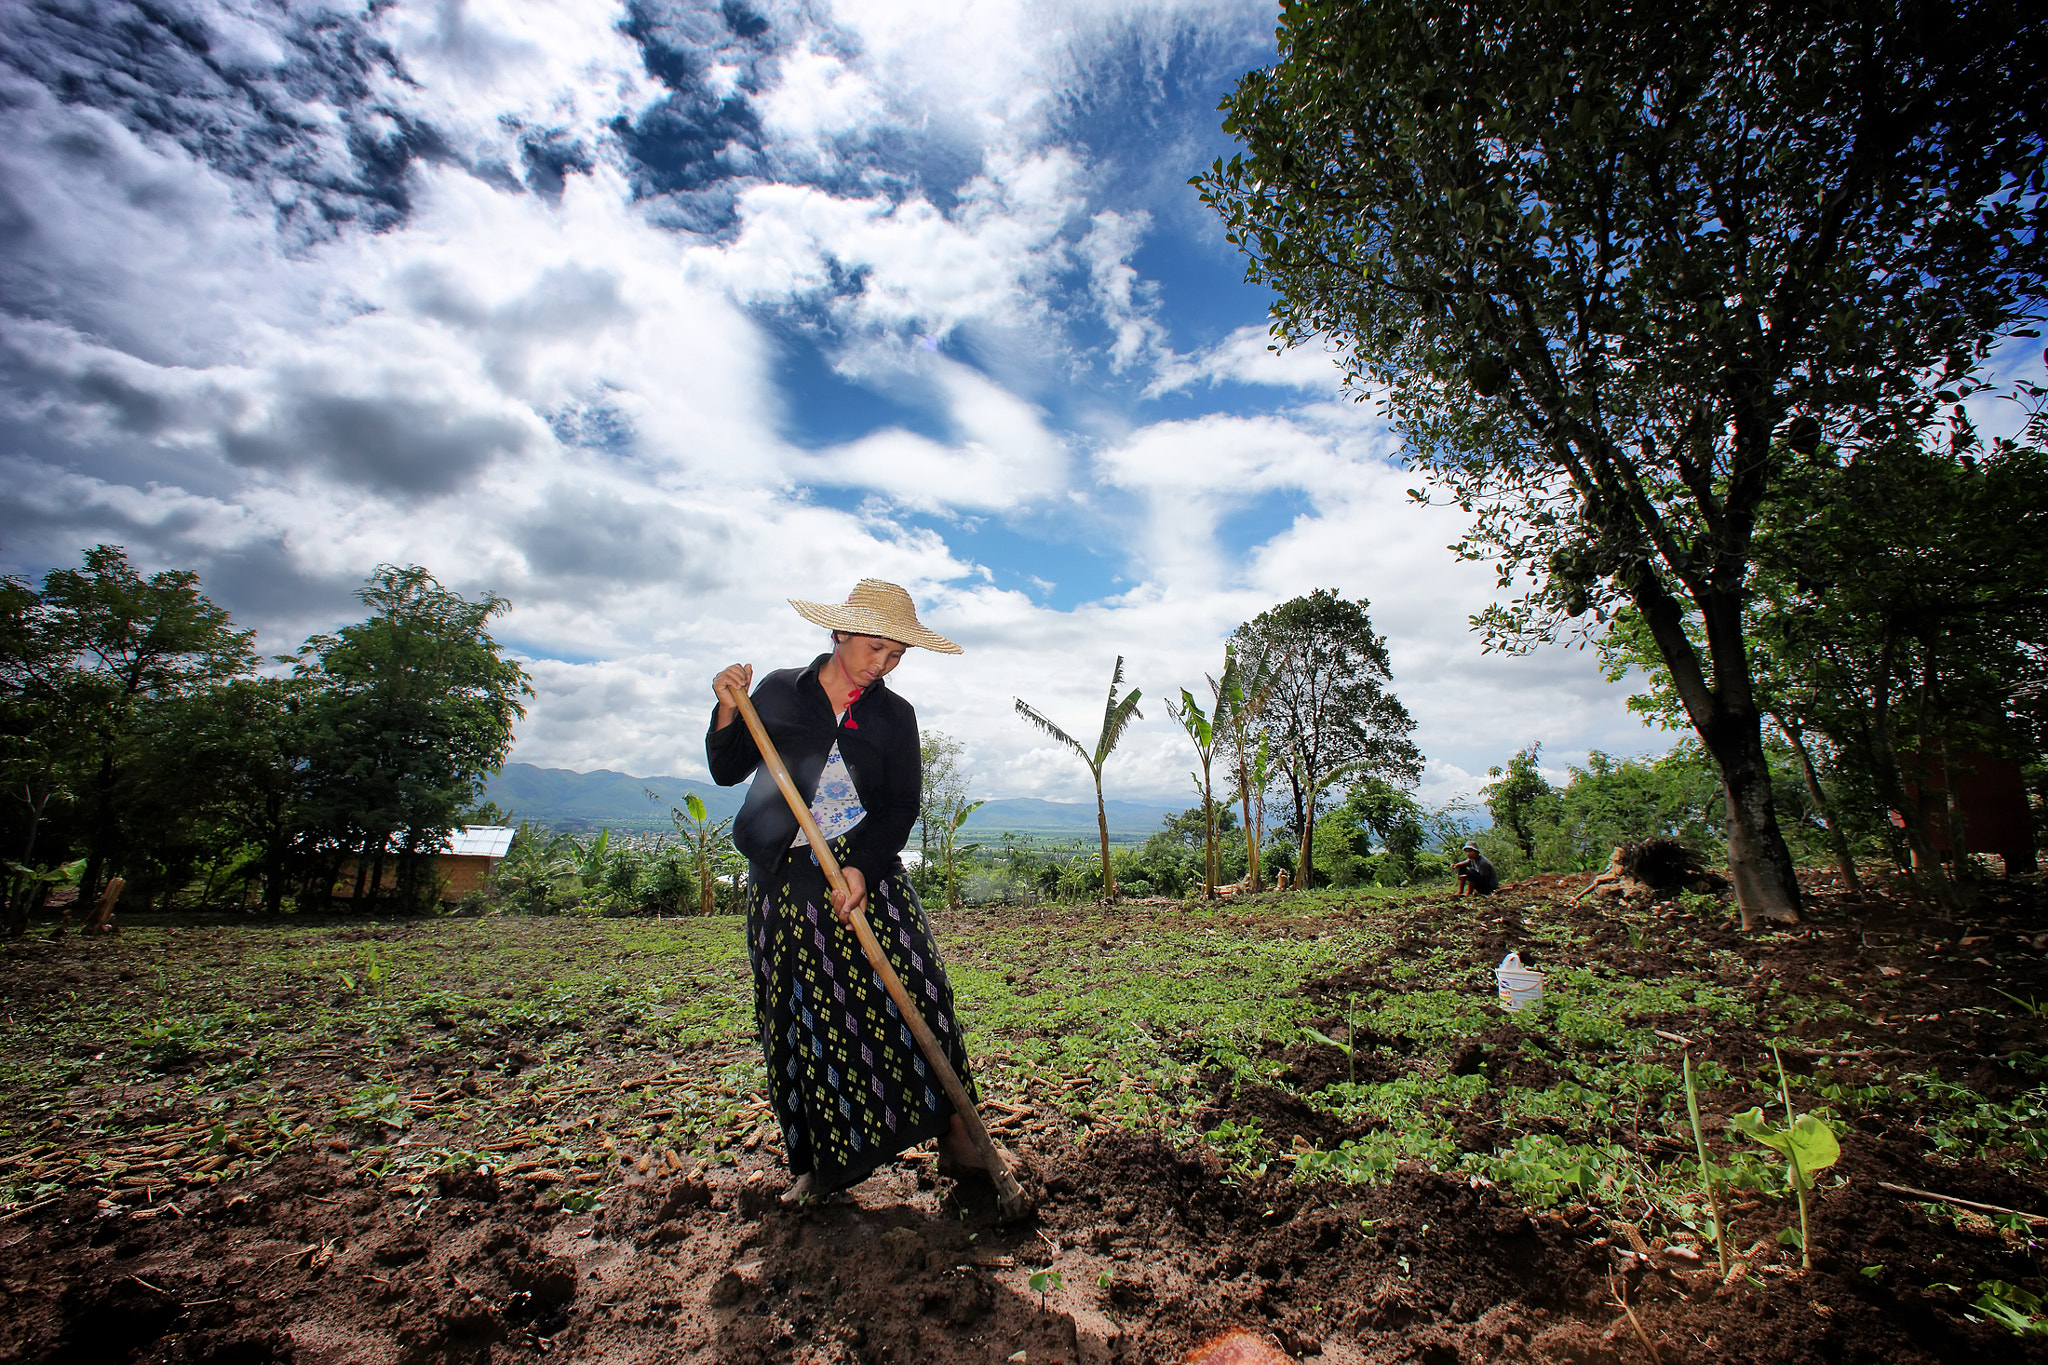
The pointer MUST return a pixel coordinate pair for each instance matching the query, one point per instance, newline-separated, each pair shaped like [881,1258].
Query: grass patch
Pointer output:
[565,1047]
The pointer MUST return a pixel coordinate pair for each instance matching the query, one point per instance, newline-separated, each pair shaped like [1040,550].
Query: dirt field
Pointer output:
[510,1140]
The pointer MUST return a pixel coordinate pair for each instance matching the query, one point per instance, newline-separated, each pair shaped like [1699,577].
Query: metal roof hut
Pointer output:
[473,853]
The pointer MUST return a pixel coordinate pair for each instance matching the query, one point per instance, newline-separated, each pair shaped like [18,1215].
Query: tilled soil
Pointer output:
[1141,1250]
[1154,1252]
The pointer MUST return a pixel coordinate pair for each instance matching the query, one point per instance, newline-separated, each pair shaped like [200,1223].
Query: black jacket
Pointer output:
[880,749]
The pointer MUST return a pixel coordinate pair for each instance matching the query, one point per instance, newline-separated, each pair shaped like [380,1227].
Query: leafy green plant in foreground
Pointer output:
[1807,1144]
[2013,1308]
[1346,1047]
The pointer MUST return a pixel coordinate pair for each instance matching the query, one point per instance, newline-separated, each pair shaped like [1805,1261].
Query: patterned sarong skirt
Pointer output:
[848,1083]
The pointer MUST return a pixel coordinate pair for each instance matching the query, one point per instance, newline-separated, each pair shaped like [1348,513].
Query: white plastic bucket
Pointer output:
[1519,987]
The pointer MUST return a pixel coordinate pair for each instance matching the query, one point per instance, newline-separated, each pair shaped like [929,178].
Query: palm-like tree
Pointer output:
[1116,716]
[1202,730]
[1241,694]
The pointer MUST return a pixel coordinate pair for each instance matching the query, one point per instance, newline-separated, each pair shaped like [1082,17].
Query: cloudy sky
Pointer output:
[651,316]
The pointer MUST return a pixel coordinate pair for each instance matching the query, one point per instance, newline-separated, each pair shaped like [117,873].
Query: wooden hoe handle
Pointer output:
[1009,1195]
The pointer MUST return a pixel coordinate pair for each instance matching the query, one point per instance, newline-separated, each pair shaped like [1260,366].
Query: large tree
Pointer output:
[1899,615]
[125,646]
[243,753]
[40,743]
[1610,267]
[412,710]
[1329,715]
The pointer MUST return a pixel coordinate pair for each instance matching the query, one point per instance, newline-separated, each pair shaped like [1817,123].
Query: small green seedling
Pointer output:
[1046,1282]
[1346,1047]
[1104,1280]
[1807,1144]
[2037,1008]
[1707,1173]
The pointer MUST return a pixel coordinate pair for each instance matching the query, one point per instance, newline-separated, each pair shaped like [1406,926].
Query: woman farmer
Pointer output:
[845,1077]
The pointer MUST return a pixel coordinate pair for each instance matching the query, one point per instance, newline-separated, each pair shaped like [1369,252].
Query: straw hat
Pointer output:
[876,608]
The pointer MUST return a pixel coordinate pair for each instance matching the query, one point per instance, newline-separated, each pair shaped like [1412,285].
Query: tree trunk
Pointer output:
[1305,821]
[1935,742]
[273,878]
[1208,836]
[1251,834]
[1726,719]
[1102,824]
[1845,863]
[21,891]
[99,831]
[1759,863]
[273,856]
[707,884]
[362,870]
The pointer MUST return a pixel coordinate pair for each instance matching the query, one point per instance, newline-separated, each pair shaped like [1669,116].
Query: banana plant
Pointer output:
[536,869]
[1116,718]
[703,836]
[1241,695]
[1202,731]
[590,857]
[948,833]
[1710,1176]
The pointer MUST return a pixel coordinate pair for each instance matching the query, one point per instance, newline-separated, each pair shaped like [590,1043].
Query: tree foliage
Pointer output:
[413,710]
[95,661]
[1611,268]
[943,810]
[1329,715]
[137,735]
[1575,827]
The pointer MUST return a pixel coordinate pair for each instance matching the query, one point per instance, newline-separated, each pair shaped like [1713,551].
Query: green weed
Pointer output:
[2035,1007]
[1709,1179]
[1547,1170]
[2019,1311]
[1243,1147]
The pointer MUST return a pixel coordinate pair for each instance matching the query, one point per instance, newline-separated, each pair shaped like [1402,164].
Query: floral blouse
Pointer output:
[836,807]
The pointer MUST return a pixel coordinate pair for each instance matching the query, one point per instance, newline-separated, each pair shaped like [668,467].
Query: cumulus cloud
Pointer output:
[506,288]
[903,265]
[1249,356]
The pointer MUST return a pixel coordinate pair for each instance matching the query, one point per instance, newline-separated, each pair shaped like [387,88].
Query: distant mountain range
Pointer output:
[562,799]
[1129,821]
